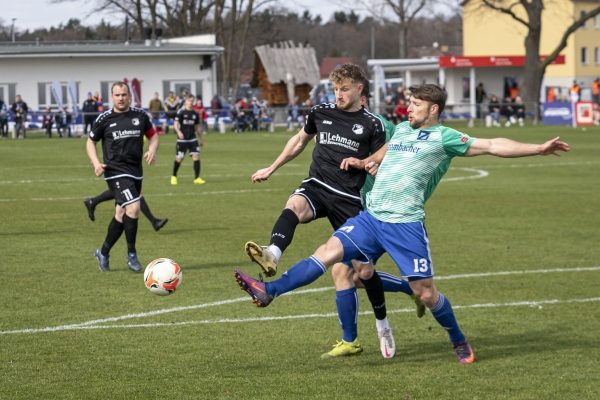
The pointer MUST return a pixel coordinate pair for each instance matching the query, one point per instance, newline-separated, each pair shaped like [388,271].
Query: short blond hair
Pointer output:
[348,71]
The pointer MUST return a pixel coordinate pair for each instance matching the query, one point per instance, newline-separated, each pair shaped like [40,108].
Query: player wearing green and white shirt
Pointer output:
[366,237]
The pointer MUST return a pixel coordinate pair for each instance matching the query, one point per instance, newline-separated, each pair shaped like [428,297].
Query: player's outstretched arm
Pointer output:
[90,148]
[292,149]
[150,155]
[507,148]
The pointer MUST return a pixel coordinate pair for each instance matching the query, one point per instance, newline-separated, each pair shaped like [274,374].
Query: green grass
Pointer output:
[527,215]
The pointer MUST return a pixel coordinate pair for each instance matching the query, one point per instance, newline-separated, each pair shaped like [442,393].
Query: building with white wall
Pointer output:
[29,69]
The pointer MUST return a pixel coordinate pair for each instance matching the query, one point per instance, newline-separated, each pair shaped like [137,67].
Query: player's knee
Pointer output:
[133,210]
[341,272]
[331,252]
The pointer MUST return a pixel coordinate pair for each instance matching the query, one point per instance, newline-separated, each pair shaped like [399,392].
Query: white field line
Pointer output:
[536,303]
[166,177]
[481,173]
[93,323]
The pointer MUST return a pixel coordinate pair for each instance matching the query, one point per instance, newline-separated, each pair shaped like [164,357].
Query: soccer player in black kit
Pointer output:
[344,129]
[187,126]
[121,130]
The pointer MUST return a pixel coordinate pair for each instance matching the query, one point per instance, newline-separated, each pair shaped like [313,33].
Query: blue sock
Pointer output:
[347,308]
[304,273]
[444,315]
[392,283]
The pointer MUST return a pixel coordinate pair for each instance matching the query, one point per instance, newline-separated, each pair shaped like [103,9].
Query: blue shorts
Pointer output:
[365,238]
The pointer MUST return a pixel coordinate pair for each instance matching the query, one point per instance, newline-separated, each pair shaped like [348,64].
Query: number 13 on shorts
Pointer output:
[421,265]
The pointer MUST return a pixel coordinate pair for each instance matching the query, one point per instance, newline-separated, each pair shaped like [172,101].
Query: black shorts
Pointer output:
[324,203]
[182,147]
[126,190]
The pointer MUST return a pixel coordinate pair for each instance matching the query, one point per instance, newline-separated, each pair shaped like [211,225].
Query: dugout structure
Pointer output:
[284,71]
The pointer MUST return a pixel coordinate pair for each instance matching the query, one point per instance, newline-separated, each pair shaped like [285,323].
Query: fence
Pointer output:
[279,116]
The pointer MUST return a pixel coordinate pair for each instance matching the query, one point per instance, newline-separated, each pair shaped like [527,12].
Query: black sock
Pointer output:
[197,168]
[102,197]
[374,289]
[146,210]
[175,167]
[130,226]
[283,230]
[115,230]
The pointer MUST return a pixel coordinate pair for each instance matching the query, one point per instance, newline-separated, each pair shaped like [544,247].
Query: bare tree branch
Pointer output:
[563,41]
[507,10]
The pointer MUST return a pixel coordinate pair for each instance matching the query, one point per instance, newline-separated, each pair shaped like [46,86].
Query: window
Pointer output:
[583,14]
[597,55]
[192,86]
[8,93]
[584,56]
[46,98]
[597,22]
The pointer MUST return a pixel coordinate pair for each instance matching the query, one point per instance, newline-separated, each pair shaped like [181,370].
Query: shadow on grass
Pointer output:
[495,347]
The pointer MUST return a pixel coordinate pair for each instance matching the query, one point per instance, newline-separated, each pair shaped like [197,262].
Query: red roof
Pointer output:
[330,63]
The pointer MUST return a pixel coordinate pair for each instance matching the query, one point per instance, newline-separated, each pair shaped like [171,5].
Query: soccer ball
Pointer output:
[162,276]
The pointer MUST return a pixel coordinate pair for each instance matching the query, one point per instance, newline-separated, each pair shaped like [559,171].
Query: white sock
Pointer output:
[276,251]
[382,324]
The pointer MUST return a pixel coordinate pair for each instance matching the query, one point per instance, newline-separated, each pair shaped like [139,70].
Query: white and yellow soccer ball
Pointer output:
[162,276]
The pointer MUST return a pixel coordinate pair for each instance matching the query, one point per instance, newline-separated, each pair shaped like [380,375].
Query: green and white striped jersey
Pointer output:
[415,162]
[370,181]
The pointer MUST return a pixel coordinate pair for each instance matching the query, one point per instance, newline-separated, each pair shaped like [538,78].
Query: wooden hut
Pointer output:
[284,71]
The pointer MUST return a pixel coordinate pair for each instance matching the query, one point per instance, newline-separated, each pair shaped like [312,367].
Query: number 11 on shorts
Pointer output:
[423,265]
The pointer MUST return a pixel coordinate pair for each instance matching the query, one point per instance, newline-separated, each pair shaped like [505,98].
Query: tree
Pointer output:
[535,68]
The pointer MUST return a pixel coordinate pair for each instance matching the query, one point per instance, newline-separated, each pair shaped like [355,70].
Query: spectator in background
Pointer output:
[494,110]
[240,124]
[199,108]
[519,110]
[306,107]
[323,97]
[90,113]
[400,95]
[575,92]
[63,122]
[596,108]
[170,105]
[402,111]
[20,109]
[256,114]
[99,103]
[551,98]
[514,91]
[215,108]
[294,115]
[4,115]
[480,95]
[155,107]
[47,121]
[596,91]
[508,111]
[389,110]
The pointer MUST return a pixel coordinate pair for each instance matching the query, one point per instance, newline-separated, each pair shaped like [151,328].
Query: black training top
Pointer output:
[187,124]
[122,141]
[340,135]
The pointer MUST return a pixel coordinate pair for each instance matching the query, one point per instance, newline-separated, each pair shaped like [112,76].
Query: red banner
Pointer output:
[489,61]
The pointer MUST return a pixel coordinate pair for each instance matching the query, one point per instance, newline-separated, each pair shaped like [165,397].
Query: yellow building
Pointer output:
[487,32]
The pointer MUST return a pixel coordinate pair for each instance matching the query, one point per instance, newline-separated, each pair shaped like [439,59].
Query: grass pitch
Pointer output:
[514,244]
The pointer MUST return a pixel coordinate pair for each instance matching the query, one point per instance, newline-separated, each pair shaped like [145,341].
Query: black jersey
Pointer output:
[187,124]
[122,141]
[340,135]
